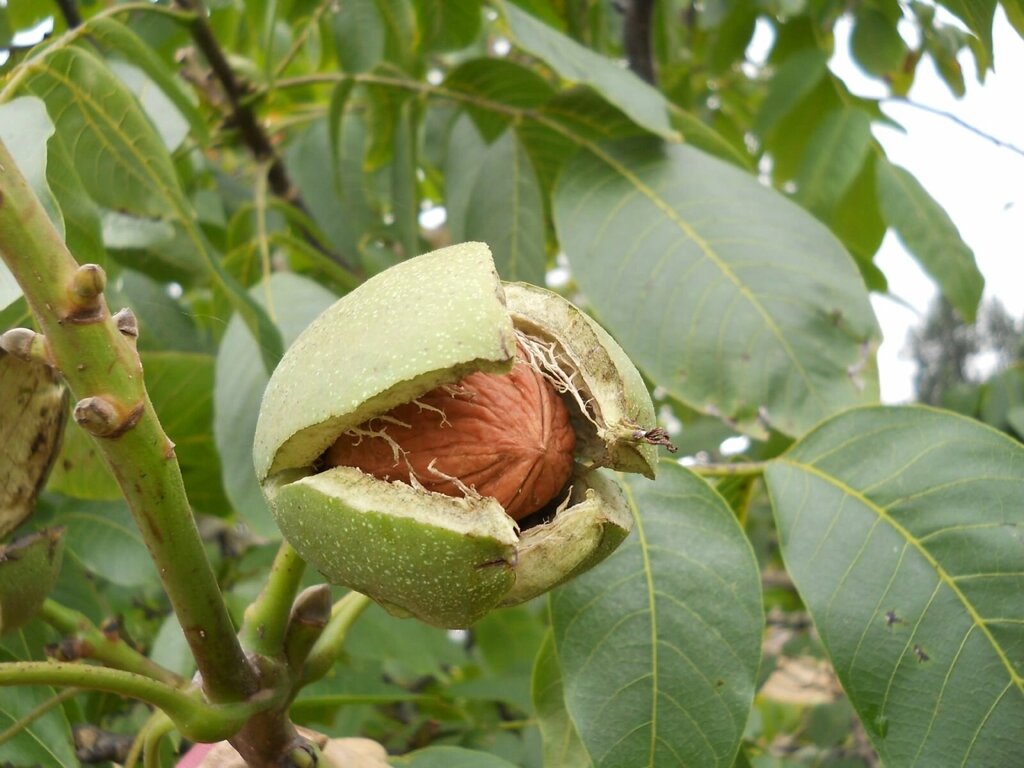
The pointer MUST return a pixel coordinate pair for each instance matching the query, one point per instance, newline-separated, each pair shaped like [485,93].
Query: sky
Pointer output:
[980,184]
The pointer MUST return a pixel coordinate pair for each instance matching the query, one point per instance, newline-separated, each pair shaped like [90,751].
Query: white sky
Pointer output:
[979,184]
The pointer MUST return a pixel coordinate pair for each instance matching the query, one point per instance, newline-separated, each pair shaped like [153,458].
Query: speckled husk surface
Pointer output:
[445,560]
[29,567]
[425,322]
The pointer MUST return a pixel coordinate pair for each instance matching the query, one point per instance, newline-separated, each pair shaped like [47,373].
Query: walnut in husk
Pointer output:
[428,530]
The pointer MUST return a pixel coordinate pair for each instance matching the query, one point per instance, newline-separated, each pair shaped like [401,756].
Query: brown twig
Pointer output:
[636,37]
[962,123]
[69,9]
[242,115]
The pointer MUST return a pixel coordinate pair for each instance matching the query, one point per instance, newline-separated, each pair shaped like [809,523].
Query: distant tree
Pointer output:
[945,346]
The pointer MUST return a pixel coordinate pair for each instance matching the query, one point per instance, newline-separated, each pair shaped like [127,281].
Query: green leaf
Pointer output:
[115,36]
[930,235]
[643,103]
[370,31]
[24,129]
[449,757]
[901,528]
[180,384]
[729,296]
[944,43]
[834,156]
[165,324]
[554,132]
[659,647]
[506,210]
[96,531]
[169,123]
[409,649]
[359,35]
[82,230]
[699,134]
[497,83]
[875,42]
[6,32]
[1015,420]
[793,81]
[239,381]
[562,744]
[447,25]
[123,163]
[170,648]
[466,152]
[46,741]
[1014,10]
[1001,395]
[404,205]
[330,178]
[978,15]
[857,221]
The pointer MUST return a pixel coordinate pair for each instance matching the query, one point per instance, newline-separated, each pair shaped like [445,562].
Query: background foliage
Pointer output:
[720,221]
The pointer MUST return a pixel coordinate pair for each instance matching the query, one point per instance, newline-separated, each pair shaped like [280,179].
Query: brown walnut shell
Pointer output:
[506,436]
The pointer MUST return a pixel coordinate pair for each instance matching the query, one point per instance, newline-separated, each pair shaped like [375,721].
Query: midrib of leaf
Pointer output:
[651,606]
[711,255]
[85,97]
[27,654]
[152,180]
[943,575]
[31,732]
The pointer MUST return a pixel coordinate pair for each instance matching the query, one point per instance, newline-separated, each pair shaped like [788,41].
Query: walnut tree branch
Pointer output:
[242,115]
[95,353]
[636,37]
[69,9]
[962,123]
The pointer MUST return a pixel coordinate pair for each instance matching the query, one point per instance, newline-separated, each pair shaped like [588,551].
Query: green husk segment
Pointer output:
[606,378]
[33,410]
[447,561]
[428,321]
[576,540]
[28,570]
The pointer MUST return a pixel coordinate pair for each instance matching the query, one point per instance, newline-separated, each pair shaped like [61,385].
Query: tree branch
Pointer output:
[962,123]
[69,9]
[327,647]
[195,719]
[266,618]
[101,366]
[95,644]
[252,133]
[744,468]
[636,37]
